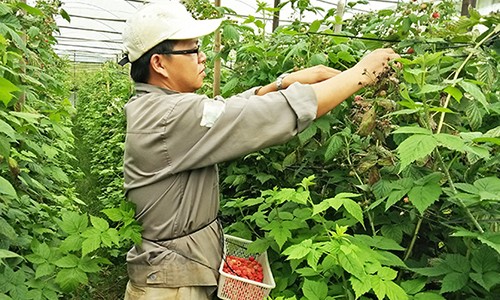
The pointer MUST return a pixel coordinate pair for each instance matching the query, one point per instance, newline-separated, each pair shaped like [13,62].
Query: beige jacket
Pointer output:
[173,144]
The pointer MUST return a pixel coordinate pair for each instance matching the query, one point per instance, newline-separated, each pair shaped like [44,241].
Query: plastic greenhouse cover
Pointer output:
[94,31]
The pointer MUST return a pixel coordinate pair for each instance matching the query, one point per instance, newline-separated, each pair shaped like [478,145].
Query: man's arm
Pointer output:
[332,86]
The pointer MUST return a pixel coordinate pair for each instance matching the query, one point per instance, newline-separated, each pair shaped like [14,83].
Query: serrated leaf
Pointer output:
[68,261]
[394,291]
[387,273]
[114,214]
[307,134]
[457,262]
[314,290]
[70,279]
[360,287]
[351,263]
[99,223]
[334,147]
[354,209]
[475,92]
[44,270]
[298,251]
[378,286]
[280,234]
[453,282]
[486,280]
[423,196]
[484,260]
[449,141]
[89,265]
[414,286]
[313,258]
[414,148]
[91,244]
[73,223]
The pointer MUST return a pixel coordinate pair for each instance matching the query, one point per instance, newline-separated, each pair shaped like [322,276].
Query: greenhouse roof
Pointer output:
[94,31]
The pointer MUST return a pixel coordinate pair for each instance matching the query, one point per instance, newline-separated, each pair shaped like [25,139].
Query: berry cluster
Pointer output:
[247,268]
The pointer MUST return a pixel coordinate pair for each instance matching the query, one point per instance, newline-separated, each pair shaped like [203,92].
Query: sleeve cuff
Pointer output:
[303,101]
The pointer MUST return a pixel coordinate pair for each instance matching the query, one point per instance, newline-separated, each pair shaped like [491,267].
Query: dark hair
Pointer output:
[140,68]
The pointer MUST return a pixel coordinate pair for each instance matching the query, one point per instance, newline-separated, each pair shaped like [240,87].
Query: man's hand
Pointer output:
[374,65]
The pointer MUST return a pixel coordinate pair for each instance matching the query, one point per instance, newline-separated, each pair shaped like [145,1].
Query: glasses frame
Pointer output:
[182,52]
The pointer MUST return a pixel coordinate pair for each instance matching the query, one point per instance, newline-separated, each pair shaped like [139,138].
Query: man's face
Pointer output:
[186,71]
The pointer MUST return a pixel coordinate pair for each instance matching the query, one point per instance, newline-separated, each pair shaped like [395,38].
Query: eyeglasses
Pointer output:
[180,52]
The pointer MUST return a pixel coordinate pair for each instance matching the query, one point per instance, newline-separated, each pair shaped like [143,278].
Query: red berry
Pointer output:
[410,50]
[435,15]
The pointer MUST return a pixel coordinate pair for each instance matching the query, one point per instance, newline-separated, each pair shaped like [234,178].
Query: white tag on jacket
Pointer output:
[212,110]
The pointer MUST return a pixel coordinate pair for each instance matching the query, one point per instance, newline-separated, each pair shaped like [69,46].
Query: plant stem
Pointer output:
[457,73]
[452,185]
[413,239]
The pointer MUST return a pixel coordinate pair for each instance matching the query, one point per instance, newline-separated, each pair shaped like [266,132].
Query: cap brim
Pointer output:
[196,28]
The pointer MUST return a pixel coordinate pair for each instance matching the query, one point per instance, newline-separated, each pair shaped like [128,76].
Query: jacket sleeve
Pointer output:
[201,131]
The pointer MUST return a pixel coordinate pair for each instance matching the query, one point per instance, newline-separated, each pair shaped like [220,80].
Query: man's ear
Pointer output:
[157,64]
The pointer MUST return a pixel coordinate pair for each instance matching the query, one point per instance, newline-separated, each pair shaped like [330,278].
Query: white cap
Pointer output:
[160,21]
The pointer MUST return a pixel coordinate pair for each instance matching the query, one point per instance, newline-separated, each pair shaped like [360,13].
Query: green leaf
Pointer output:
[7,230]
[486,280]
[351,262]
[7,189]
[44,270]
[70,279]
[387,273]
[475,92]
[383,243]
[412,130]
[334,146]
[8,254]
[414,286]
[99,223]
[30,9]
[360,287]
[394,291]
[449,141]
[73,222]
[428,296]
[92,243]
[378,286]
[6,89]
[298,251]
[68,261]
[65,15]
[354,209]
[314,290]
[307,134]
[453,282]
[430,88]
[492,240]
[415,147]
[7,130]
[315,25]
[484,260]
[457,262]
[280,234]
[423,196]
[454,92]
[89,265]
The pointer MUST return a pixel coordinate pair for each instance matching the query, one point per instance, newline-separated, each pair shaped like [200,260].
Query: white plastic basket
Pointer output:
[232,287]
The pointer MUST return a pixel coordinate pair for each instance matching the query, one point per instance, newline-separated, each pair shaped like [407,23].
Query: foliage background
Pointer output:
[395,194]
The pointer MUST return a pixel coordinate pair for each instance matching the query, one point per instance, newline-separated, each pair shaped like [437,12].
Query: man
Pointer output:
[175,138]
